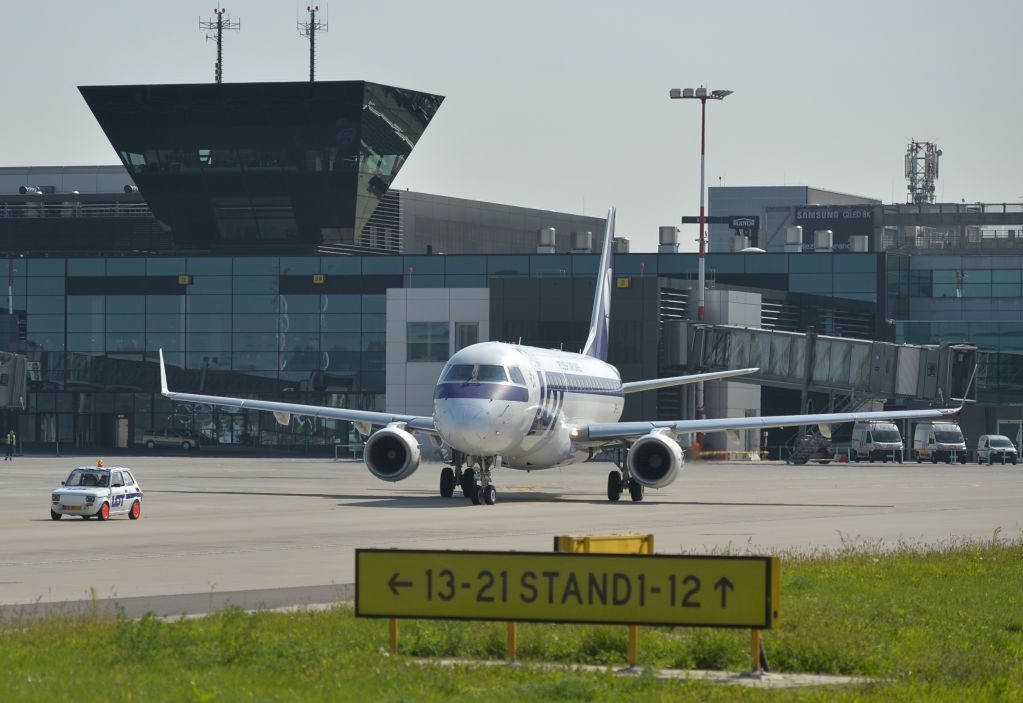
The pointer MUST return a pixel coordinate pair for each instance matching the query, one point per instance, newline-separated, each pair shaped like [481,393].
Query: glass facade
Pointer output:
[312,330]
[249,166]
[976,299]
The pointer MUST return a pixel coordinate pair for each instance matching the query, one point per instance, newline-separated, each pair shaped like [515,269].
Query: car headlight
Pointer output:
[55,497]
[90,499]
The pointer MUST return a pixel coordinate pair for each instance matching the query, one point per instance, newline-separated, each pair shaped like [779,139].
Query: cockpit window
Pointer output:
[516,375]
[491,374]
[459,372]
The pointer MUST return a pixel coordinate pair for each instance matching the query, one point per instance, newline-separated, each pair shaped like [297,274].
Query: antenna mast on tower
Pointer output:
[921,171]
[309,29]
[218,25]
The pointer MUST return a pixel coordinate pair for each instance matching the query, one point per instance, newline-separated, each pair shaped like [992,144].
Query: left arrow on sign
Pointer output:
[395,584]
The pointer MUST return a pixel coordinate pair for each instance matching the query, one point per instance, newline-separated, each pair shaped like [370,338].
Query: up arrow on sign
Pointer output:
[723,584]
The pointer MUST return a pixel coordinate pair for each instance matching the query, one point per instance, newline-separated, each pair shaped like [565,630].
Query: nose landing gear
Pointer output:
[475,482]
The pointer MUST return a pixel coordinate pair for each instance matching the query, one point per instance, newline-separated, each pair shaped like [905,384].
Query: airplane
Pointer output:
[499,405]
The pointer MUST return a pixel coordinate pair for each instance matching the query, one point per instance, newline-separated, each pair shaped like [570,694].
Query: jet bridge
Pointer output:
[839,367]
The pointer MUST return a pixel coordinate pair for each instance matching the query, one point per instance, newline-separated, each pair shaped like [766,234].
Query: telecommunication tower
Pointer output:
[218,26]
[309,29]
[922,170]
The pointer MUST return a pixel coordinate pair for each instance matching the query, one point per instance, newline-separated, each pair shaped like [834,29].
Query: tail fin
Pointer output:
[600,318]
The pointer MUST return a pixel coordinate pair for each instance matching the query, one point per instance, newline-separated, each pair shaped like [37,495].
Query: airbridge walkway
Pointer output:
[832,374]
[853,369]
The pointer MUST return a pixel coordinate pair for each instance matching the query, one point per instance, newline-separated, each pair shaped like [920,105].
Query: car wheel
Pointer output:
[104,512]
[55,515]
[136,510]
[1014,459]
[150,444]
[186,445]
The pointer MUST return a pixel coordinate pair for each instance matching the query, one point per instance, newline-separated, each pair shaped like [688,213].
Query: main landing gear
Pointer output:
[474,480]
[618,479]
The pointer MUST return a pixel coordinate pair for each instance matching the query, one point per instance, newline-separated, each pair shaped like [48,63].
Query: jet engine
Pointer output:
[392,454]
[655,460]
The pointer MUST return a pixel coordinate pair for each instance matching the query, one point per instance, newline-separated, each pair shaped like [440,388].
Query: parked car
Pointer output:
[939,441]
[170,438]
[97,491]
[996,447]
[876,441]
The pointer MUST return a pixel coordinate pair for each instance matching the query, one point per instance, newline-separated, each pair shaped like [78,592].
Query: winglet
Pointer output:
[163,376]
[597,341]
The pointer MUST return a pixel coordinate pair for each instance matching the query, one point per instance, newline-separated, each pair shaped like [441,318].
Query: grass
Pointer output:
[941,623]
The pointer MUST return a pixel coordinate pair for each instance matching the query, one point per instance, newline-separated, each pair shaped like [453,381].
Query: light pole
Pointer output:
[703,96]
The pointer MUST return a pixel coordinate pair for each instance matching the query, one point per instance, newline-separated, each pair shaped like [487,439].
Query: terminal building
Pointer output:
[251,234]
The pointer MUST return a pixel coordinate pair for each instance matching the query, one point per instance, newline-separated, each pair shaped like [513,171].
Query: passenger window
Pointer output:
[516,375]
[491,374]
[116,479]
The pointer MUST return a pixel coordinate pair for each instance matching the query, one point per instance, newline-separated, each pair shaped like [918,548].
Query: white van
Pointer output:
[875,441]
[939,441]
[996,447]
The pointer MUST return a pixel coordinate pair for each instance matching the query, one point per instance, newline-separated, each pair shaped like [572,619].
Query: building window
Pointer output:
[427,341]
[466,334]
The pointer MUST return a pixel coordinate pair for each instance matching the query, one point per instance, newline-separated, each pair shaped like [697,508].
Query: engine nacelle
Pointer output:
[392,454]
[655,460]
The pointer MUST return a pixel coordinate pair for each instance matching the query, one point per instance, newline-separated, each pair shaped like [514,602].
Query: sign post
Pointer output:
[611,544]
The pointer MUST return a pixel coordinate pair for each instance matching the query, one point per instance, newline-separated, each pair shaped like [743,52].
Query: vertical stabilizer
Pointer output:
[600,319]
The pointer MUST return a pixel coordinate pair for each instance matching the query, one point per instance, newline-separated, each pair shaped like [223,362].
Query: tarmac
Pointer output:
[258,532]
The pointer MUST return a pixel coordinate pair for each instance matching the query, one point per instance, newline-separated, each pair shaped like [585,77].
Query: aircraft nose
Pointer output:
[471,426]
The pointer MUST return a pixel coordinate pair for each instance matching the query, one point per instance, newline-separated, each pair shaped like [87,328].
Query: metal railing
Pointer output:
[43,210]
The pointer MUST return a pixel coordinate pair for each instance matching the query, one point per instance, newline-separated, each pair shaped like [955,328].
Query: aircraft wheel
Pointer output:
[477,494]
[469,483]
[614,486]
[489,494]
[635,490]
[447,482]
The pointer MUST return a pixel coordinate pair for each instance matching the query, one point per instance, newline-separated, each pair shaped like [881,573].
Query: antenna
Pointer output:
[309,29]
[219,25]
[921,170]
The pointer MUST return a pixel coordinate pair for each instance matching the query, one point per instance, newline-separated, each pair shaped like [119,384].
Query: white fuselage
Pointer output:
[526,418]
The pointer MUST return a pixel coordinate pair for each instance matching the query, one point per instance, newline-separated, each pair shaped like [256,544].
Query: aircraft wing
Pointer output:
[611,431]
[653,383]
[284,411]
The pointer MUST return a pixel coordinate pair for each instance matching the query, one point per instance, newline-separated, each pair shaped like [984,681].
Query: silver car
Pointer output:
[996,447]
[97,491]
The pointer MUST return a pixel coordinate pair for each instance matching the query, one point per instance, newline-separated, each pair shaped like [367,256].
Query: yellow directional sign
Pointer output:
[655,589]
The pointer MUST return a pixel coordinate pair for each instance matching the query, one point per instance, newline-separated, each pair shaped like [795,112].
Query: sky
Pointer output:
[563,104]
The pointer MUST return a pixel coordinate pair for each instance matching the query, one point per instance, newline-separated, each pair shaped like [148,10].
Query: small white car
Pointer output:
[996,447]
[97,491]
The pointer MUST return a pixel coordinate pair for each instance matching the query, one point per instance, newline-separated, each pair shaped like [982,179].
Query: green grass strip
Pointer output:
[936,624]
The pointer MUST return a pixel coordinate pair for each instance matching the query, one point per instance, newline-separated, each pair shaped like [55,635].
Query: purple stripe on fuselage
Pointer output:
[487,391]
